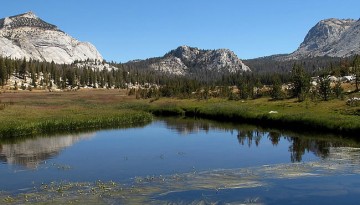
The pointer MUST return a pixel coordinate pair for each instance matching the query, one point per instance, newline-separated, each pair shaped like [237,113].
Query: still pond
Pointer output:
[181,161]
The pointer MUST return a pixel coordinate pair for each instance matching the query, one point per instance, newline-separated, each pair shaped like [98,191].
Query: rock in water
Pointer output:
[26,35]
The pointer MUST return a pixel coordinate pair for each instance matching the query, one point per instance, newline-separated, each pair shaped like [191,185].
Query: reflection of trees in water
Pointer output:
[299,145]
[247,137]
[274,137]
[250,135]
[320,148]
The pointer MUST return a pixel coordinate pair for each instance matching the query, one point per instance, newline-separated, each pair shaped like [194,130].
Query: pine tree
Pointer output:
[3,72]
[23,68]
[243,87]
[70,77]
[276,92]
[33,76]
[356,71]
[9,67]
[324,88]
[301,82]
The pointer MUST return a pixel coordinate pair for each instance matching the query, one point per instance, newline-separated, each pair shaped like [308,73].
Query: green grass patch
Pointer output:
[289,114]
[46,113]
[72,123]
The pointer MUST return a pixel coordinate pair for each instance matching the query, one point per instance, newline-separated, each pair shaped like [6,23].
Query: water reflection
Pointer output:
[299,144]
[32,152]
[249,135]
[219,162]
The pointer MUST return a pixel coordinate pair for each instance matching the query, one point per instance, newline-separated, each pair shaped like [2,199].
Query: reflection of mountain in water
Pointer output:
[251,135]
[31,152]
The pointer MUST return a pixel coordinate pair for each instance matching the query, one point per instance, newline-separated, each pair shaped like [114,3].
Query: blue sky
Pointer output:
[124,30]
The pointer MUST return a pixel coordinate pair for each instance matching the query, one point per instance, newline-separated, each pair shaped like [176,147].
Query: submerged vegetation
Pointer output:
[205,187]
[83,109]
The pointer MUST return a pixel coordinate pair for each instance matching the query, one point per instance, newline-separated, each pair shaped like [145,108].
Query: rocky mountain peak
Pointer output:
[28,36]
[28,19]
[185,59]
[325,32]
[186,53]
[330,37]
[29,15]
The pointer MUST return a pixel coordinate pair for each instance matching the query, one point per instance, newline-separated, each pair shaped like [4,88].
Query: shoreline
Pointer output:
[36,113]
[295,121]
[123,120]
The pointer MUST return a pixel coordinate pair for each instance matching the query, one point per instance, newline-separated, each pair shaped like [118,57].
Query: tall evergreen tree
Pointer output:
[356,71]
[23,68]
[276,92]
[324,87]
[301,82]
[10,68]
[244,88]
[3,72]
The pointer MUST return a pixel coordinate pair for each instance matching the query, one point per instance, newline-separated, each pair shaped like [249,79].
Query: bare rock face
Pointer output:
[170,65]
[186,60]
[349,43]
[27,36]
[330,37]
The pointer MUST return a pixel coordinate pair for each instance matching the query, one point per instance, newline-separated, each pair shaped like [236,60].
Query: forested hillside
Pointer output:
[312,65]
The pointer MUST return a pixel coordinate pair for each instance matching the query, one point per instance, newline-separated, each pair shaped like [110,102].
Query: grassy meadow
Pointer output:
[26,113]
[333,116]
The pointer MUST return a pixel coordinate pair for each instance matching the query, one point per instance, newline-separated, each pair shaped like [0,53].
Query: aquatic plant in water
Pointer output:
[206,187]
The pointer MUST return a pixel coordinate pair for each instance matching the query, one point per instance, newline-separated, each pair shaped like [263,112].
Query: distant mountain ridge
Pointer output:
[326,44]
[186,60]
[330,37]
[28,36]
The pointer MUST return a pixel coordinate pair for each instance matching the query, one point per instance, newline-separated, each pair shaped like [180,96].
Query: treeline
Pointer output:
[147,83]
[295,83]
[90,73]
[79,74]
